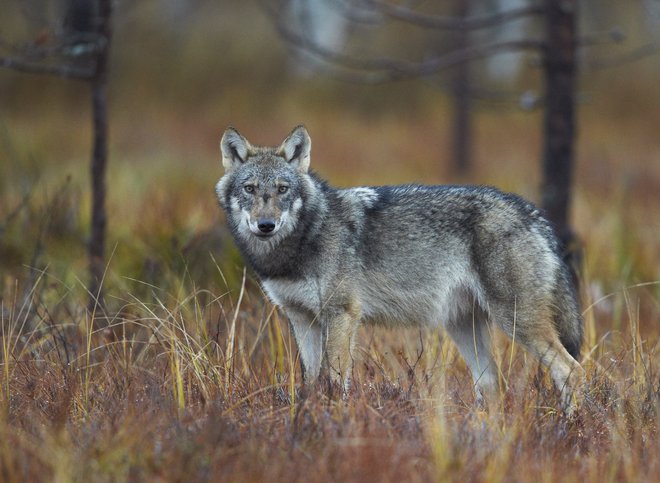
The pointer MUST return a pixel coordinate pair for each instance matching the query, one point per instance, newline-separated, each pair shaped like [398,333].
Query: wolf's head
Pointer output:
[262,188]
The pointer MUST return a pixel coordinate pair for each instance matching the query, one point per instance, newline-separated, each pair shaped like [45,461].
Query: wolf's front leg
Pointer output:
[340,335]
[309,338]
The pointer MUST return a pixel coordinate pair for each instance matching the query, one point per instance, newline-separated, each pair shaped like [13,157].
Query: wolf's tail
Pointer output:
[568,319]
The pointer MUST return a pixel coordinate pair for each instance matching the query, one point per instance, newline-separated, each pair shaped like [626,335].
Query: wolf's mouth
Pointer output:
[264,236]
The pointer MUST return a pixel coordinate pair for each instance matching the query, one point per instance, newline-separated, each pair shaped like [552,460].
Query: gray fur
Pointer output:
[461,257]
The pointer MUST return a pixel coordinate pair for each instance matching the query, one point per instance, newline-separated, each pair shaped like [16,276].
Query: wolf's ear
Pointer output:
[296,148]
[234,148]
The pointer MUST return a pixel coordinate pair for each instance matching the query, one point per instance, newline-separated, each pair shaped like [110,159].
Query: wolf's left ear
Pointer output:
[296,148]
[234,148]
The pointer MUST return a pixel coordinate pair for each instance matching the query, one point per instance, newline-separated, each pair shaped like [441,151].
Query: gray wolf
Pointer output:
[462,257]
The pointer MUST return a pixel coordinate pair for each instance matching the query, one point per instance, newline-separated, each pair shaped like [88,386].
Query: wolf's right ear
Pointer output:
[234,148]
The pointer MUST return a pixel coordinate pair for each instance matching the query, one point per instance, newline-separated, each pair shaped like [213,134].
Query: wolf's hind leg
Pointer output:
[472,338]
[309,339]
[566,372]
[532,326]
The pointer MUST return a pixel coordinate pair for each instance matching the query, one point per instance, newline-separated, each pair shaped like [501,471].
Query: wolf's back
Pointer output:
[511,243]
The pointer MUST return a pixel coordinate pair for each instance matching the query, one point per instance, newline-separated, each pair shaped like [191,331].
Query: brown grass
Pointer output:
[195,385]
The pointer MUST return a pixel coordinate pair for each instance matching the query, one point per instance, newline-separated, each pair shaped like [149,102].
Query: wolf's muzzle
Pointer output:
[266,226]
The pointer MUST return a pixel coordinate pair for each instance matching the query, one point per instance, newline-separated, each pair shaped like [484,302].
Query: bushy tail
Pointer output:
[568,318]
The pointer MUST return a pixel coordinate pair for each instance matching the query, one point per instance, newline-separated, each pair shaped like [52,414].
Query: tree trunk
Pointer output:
[462,120]
[461,86]
[559,121]
[96,248]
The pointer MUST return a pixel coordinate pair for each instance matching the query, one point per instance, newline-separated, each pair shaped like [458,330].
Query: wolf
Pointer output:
[465,258]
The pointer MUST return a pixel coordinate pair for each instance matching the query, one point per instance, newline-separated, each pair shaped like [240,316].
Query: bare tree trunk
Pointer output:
[86,29]
[462,121]
[559,117]
[462,138]
[96,248]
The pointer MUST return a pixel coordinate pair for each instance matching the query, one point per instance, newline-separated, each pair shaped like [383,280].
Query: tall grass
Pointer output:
[197,385]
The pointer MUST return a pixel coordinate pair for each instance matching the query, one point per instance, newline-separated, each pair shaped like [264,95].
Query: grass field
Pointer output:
[190,374]
[190,384]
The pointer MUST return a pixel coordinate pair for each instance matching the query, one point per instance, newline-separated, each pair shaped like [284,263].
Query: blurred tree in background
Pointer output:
[73,42]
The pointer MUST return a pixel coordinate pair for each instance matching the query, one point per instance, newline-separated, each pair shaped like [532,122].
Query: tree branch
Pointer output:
[358,12]
[437,22]
[471,53]
[393,69]
[36,68]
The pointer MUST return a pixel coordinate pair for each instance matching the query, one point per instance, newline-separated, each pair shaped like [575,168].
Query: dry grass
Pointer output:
[193,385]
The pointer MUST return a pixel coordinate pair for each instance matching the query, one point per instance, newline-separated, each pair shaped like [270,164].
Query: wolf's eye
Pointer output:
[249,188]
[283,189]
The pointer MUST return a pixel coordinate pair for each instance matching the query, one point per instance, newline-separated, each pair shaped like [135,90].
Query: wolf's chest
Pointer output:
[300,293]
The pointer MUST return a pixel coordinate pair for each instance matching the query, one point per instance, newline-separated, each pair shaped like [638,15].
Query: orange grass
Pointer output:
[195,385]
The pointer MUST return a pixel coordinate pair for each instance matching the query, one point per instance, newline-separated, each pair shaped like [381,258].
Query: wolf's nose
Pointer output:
[266,226]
